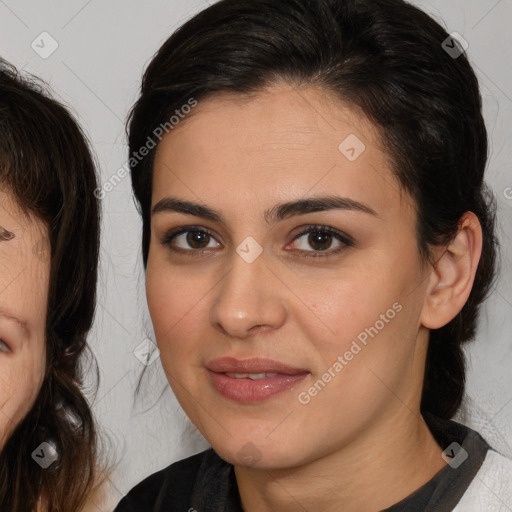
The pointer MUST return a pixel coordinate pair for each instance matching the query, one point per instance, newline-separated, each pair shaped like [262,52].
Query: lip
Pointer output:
[255,365]
[247,390]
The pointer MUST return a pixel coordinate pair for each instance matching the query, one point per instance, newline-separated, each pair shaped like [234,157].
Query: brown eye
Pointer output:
[320,239]
[197,239]
[189,239]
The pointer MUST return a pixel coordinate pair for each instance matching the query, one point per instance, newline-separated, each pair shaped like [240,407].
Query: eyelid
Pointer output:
[311,228]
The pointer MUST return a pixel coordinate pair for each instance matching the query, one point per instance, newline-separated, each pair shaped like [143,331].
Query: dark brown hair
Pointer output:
[387,59]
[46,164]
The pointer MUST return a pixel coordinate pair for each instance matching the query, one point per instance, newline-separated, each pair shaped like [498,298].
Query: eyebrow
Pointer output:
[272,215]
[6,235]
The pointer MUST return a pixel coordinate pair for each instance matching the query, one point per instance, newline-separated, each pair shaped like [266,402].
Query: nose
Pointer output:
[250,298]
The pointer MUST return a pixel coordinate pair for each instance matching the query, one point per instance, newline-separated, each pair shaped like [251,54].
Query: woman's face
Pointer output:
[341,311]
[24,280]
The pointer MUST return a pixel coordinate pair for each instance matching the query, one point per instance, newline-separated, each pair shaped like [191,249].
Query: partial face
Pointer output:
[330,293]
[24,280]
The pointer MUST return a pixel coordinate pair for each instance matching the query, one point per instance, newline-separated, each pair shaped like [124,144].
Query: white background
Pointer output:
[103,47]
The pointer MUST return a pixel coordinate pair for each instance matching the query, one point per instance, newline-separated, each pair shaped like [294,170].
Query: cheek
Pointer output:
[168,306]
[333,311]
[166,297]
[20,382]
[368,318]
[175,299]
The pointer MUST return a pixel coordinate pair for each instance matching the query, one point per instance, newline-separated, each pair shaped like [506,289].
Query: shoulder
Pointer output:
[491,489]
[177,479]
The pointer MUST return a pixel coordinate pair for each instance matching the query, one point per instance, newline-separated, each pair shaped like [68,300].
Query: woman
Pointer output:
[317,239]
[49,240]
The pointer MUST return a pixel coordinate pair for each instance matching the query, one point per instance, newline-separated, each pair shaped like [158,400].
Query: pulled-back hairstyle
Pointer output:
[46,164]
[386,59]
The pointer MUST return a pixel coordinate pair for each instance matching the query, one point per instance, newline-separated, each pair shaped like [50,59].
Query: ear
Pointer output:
[453,274]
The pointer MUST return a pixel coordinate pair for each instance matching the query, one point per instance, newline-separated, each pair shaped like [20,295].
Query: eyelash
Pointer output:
[341,237]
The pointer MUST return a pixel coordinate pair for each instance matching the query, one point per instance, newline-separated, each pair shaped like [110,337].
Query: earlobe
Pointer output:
[453,274]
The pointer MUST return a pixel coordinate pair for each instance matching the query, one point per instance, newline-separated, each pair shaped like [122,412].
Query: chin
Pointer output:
[259,455]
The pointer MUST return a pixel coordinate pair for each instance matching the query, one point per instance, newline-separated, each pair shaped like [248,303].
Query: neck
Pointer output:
[373,472]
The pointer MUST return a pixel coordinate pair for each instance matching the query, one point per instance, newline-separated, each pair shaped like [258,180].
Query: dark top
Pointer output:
[206,483]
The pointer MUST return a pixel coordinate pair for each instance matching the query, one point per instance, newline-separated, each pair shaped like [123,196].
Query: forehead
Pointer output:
[283,140]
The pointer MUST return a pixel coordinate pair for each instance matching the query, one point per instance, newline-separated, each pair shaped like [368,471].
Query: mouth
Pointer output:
[253,380]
